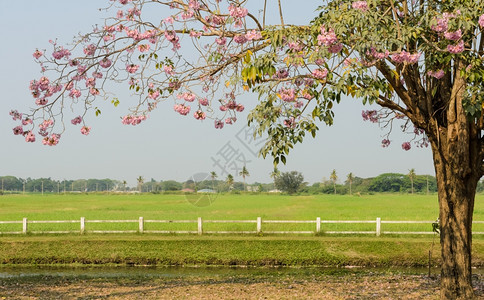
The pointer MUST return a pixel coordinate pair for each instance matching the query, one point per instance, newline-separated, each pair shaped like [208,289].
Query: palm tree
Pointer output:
[244,173]
[124,185]
[213,175]
[274,174]
[350,179]
[411,175]
[140,180]
[230,180]
[333,178]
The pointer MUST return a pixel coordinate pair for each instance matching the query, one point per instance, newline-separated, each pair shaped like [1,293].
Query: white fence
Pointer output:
[258,228]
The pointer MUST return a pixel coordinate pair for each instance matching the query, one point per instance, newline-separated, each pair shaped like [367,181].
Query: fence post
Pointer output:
[83,225]
[378,226]
[200,227]
[259,225]
[24,226]
[141,224]
[318,225]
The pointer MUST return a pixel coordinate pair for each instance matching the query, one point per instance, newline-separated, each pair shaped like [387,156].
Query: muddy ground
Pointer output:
[346,286]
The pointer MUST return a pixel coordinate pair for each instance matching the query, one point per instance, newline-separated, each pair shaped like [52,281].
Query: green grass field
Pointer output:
[225,250]
[225,207]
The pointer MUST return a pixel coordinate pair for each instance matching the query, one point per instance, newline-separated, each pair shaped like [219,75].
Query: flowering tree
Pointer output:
[420,61]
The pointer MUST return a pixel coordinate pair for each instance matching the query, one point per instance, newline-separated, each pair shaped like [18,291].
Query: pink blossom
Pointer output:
[253,35]
[481,21]
[91,82]
[119,14]
[90,49]
[436,74]
[442,24]
[29,136]
[287,95]
[405,56]
[195,34]
[237,12]
[75,93]
[169,20]
[239,108]
[85,130]
[453,36]
[385,143]
[168,70]
[41,101]
[97,74]
[459,48]
[378,55]
[76,120]
[360,5]
[290,123]
[27,121]
[320,73]
[219,124]
[203,101]
[370,115]
[335,48]
[199,115]
[189,97]
[94,91]
[105,63]
[295,46]
[327,37]
[37,54]
[132,68]
[144,48]
[18,130]
[281,74]
[240,39]
[221,41]
[52,140]
[61,53]
[223,108]
[406,146]
[154,94]
[182,109]
[133,120]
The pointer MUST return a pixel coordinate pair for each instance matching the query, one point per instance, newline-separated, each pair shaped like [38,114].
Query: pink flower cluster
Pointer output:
[378,55]
[90,49]
[290,123]
[385,143]
[320,74]
[203,101]
[237,11]
[105,63]
[132,68]
[85,130]
[133,120]
[52,140]
[171,36]
[436,74]
[328,38]
[481,21]
[287,94]
[199,115]
[406,57]
[37,54]
[406,146]
[182,109]
[232,105]
[189,97]
[360,5]
[453,36]
[76,120]
[455,49]
[370,115]
[219,124]
[253,35]
[61,53]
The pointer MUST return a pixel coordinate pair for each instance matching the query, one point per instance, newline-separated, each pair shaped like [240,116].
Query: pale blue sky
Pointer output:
[167,146]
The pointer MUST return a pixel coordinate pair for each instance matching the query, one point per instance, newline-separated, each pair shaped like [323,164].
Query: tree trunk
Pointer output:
[457,167]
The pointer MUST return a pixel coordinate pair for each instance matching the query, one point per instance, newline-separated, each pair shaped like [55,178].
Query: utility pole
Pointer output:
[42,187]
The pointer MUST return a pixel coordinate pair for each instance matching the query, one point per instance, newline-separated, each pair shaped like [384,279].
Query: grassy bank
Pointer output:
[223,251]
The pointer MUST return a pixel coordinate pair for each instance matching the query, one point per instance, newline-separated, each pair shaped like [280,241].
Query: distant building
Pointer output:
[209,191]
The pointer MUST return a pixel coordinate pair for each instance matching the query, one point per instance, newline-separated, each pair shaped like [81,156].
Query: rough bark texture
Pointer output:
[457,160]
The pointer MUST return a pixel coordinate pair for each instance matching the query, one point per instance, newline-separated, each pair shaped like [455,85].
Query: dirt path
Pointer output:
[349,286]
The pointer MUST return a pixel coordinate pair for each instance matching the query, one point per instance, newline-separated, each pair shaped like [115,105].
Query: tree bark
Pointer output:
[457,161]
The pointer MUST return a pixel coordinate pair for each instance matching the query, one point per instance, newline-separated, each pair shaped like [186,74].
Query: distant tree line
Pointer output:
[289,182]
